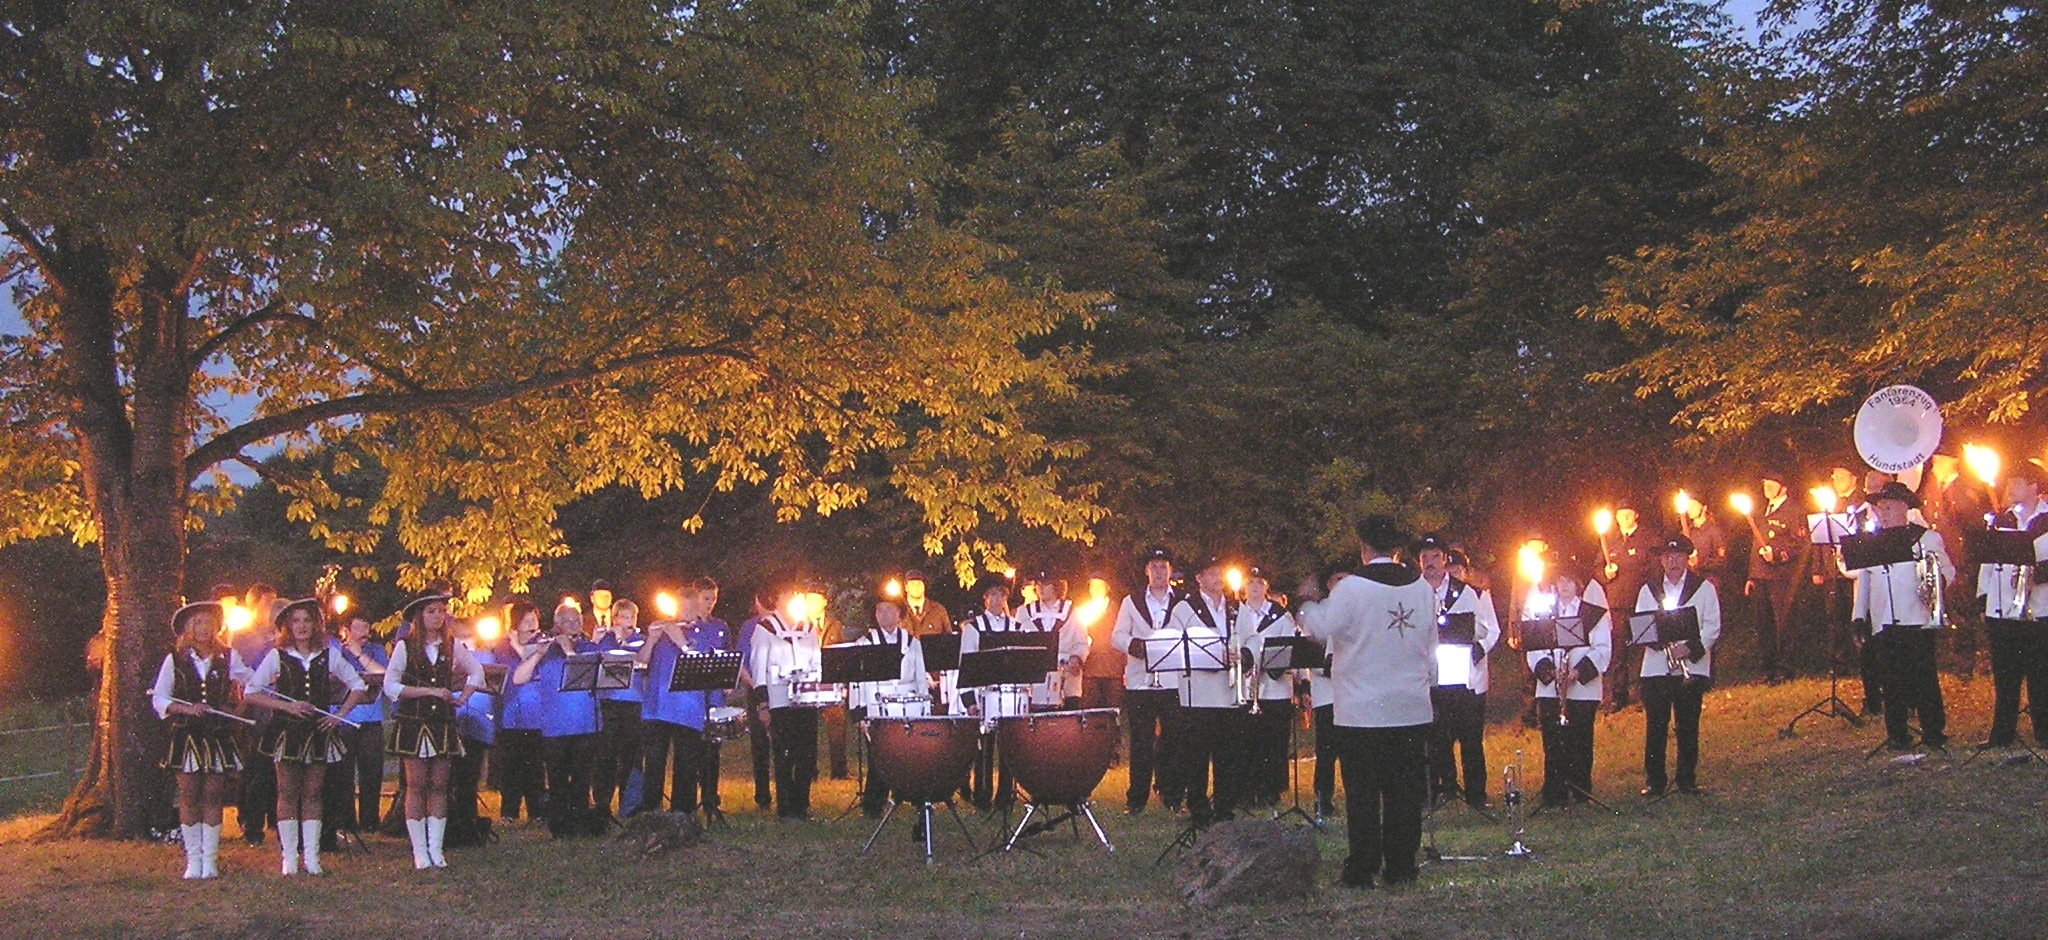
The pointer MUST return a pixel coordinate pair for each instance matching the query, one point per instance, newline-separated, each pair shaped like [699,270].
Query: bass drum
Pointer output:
[1060,757]
[923,760]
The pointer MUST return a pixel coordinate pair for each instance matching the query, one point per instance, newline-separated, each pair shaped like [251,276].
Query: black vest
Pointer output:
[211,691]
[308,682]
[437,675]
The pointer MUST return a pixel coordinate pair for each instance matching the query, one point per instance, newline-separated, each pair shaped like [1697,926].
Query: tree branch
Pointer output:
[230,443]
[34,246]
[235,328]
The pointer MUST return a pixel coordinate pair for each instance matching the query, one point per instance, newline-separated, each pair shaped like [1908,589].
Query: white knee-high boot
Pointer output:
[437,830]
[194,839]
[309,836]
[416,830]
[209,851]
[288,842]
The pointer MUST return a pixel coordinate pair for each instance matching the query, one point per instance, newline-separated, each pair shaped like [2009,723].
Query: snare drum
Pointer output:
[900,706]
[1003,701]
[725,723]
[816,695]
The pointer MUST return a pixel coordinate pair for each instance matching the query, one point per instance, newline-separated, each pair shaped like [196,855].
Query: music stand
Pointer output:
[1010,665]
[597,672]
[1184,653]
[847,663]
[1015,639]
[1884,547]
[2012,548]
[705,672]
[1455,634]
[1829,530]
[941,651]
[1561,635]
[1284,653]
[495,677]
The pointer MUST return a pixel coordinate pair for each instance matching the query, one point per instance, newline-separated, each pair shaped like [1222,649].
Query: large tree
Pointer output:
[1880,216]
[511,251]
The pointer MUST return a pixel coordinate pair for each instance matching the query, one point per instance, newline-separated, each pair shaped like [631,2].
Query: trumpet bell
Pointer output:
[1897,428]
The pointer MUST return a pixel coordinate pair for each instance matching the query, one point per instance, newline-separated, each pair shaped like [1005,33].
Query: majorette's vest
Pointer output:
[309,682]
[186,685]
[420,672]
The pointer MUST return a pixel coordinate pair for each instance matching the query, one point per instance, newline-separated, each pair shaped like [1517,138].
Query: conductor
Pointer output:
[1380,627]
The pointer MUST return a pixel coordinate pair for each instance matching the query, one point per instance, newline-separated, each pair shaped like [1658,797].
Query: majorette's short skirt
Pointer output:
[292,740]
[426,737]
[202,749]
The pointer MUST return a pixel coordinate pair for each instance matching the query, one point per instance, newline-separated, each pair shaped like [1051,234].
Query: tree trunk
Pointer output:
[132,463]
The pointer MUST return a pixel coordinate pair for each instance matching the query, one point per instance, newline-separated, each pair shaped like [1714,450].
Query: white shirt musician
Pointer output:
[2009,590]
[1149,704]
[783,654]
[2015,605]
[1676,676]
[1456,597]
[1258,621]
[910,681]
[1056,615]
[1208,698]
[1889,603]
[1580,671]
[1205,622]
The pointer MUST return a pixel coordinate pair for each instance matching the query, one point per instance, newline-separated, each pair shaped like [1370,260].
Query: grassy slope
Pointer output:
[1798,838]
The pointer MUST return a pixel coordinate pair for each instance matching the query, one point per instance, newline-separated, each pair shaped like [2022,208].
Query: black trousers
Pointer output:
[707,774]
[1104,693]
[521,779]
[1460,724]
[568,760]
[1268,743]
[990,784]
[1568,749]
[618,752]
[760,741]
[1912,686]
[1385,785]
[352,795]
[465,777]
[1770,609]
[1325,717]
[1212,751]
[1871,664]
[256,803]
[659,740]
[794,732]
[1668,700]
[2019,656]
[1154,722]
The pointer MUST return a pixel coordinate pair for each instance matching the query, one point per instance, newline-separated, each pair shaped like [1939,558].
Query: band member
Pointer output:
[2015,600]
[1269,734]
[618,743]
[569,723]
[1709,541]
[1212,735]
[1461,706]
[1322,700]
[355,787]
[1568,732]
[1380,628]
[195,692]
[302,682]
[476,722]
[1102,671]
[1628,567]
[758,741]
[429,677]
[1890,608]
[1151,707]
[1051,612]
[922,616]
[672,723]
[908,687]
[1870,661]
[783,655]
[1776,565]
[522,779]
[994,702]
[709,634]
[1677,676]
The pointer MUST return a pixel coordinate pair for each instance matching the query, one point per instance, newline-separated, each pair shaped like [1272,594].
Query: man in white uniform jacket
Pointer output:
[1380,625]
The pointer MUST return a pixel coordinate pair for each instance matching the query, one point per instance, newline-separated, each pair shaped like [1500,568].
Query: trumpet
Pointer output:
[2022,591]
[1561,681]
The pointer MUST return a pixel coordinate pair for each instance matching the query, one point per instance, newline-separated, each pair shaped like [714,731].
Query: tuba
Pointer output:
[1897,428]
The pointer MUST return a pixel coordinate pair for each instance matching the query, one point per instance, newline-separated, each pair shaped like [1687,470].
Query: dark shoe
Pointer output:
[1400,880]
[1936,741]
[1479,804]
[1898,744]
[1652,791]
[1361,882]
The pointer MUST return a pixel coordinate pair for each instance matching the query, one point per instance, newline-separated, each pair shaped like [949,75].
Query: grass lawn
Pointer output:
[1796,838]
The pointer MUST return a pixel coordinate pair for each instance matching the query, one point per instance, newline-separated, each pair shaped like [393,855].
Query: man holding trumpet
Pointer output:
[1676,676]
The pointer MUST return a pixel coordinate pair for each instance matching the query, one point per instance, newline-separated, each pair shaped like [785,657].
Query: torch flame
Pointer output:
[1983,461]
[666,605]
[1603,520]
[1742,503]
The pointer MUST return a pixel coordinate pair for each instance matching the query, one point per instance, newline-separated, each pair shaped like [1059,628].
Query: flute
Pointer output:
[217,712]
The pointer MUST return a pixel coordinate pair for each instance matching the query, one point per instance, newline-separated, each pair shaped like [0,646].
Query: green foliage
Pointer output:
[1879,218]
[513,253]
